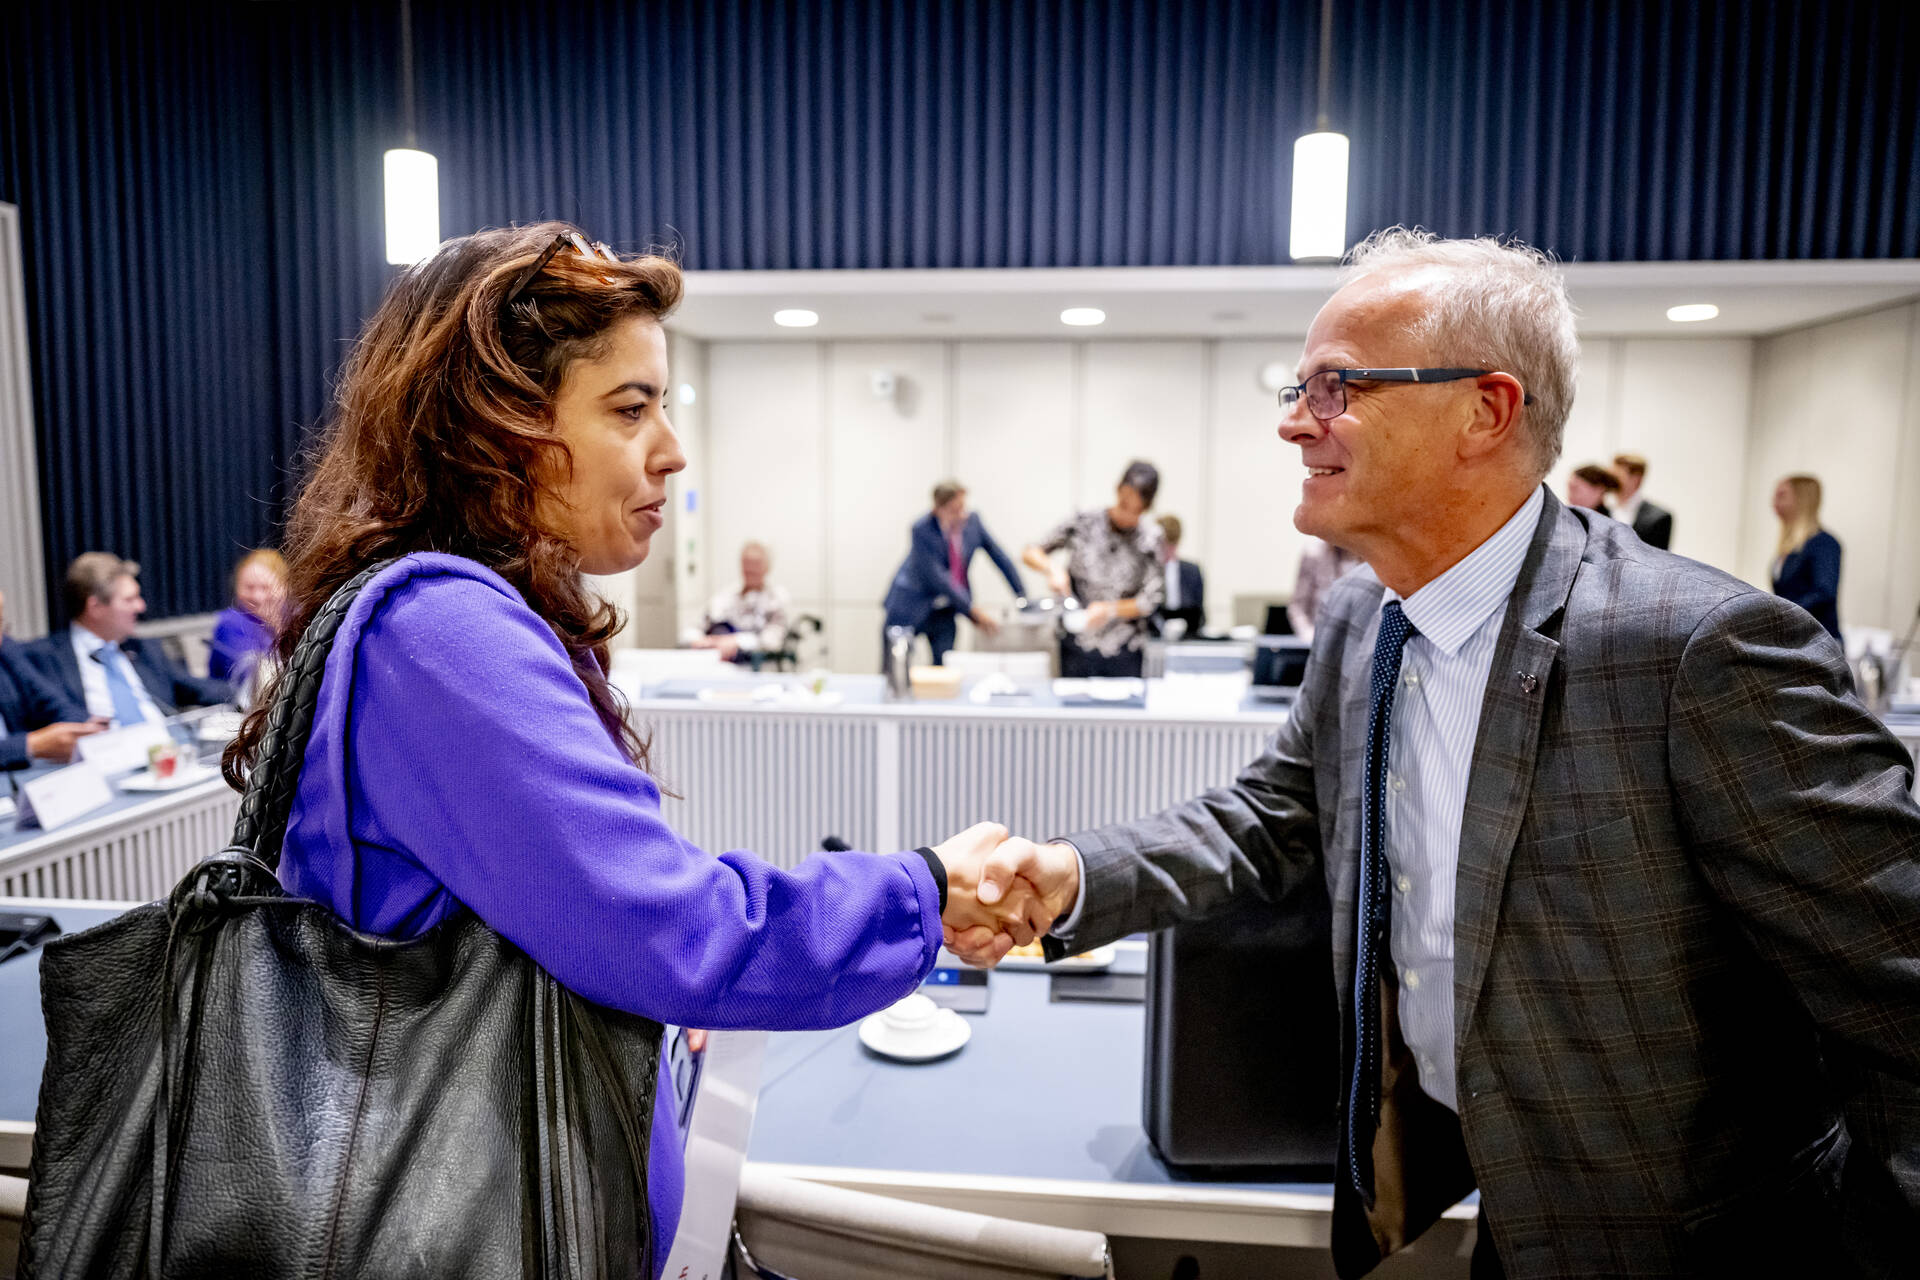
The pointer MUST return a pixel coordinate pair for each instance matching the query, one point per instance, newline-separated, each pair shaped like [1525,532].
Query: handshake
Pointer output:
[1003,891]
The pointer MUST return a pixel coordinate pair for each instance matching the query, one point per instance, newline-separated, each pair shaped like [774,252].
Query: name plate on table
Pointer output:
[1203,693]
[716,1091]
[121,750]
[57,798]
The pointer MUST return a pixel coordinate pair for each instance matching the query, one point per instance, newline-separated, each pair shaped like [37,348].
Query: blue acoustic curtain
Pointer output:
[135,148]
[201,187]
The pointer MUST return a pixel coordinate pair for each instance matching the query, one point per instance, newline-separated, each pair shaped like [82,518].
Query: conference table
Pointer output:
[135,847]
[1036,1118]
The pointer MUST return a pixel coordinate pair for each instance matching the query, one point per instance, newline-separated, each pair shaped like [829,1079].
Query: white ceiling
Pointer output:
[1614,300]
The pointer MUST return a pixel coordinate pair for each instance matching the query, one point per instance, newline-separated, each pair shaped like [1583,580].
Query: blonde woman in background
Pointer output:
[246,628]
[1806,569]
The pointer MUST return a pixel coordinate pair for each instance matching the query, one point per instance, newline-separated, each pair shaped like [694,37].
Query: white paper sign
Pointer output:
[1198,693]
[55,799]
[120,750]
[724,1081]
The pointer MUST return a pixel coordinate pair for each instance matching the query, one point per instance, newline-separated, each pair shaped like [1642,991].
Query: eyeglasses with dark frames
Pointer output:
[1326,391]
[565,240]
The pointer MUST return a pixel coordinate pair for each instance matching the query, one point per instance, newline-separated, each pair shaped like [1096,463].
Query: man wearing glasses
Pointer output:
[1625,891]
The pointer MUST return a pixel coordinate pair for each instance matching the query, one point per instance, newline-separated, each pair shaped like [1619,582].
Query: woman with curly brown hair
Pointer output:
[500,429]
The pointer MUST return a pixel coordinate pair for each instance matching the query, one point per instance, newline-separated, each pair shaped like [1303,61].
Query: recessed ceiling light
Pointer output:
[687,394]
[1691,312]
[1276,374]
[937,317]
[796,318]
[1229,317]
[1083,315]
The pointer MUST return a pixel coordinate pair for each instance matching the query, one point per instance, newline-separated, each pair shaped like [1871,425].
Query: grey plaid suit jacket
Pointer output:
[1687,918]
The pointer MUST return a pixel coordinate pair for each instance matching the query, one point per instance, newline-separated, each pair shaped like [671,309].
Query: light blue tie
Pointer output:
[126,703]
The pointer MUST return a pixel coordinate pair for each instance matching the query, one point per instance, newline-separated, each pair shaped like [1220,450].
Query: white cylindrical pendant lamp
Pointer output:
[413,206]
[1319,226]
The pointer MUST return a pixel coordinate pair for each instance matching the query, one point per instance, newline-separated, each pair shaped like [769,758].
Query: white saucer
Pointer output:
[946,1035]
[153,782]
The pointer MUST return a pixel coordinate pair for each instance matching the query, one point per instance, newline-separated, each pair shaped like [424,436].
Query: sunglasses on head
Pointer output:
[591,251]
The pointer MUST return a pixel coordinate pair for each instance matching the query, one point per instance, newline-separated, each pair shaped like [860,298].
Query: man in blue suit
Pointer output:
[932,587]
[97,663]
[36,723]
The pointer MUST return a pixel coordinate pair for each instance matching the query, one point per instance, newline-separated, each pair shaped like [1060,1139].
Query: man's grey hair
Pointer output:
[1504,307]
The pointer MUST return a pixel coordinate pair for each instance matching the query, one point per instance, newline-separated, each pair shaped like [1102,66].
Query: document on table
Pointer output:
[123,750]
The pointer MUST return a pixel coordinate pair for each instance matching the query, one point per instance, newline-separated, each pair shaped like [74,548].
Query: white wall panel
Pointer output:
[885,456]
[1903,549]
[22,569]
[1144,400]
[1593,427]
[1243,538]
[854,630]
[1851,440]
[798,453]
[1781,399]
[1841,401]
[1012,445]
[691,560]
[1685,405]
[766,473]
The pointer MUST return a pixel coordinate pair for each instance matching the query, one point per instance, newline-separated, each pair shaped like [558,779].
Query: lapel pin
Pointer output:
[1528,682]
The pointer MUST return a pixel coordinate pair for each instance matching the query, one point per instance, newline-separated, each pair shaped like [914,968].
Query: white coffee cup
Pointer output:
[911,1017]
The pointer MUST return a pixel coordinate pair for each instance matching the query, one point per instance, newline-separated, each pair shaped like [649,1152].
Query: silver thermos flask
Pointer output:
[899,655]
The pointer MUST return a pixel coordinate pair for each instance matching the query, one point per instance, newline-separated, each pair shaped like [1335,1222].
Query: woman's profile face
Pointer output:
[612,414]
[1783,503]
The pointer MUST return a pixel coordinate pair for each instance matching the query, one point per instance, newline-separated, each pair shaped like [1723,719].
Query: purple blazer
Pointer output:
[239,639]
[456,760]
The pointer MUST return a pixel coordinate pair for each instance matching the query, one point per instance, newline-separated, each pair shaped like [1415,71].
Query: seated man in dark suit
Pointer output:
[99,664]
[1652,522]
[1186,585]
[933,586]
[36,723]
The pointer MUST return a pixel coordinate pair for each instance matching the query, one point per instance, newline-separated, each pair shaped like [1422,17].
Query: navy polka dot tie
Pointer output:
[1363,1093]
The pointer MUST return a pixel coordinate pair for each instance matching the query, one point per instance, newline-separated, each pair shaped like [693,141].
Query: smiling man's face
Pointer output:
[1390,458]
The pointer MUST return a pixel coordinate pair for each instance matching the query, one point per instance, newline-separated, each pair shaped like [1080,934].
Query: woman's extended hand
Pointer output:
[1003,893]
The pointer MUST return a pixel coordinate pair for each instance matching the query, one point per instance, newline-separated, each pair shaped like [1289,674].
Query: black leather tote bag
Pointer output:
[239,1084]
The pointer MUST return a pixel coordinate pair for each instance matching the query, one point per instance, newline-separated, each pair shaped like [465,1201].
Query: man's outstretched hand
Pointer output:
[1003,892]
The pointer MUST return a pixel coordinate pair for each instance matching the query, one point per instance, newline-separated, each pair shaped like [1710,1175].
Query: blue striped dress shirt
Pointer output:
[1436,718]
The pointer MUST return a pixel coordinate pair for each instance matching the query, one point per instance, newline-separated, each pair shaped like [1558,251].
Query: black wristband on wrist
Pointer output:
[939,870]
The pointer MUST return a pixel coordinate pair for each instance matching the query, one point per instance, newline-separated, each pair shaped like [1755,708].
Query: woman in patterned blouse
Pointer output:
[1113,567]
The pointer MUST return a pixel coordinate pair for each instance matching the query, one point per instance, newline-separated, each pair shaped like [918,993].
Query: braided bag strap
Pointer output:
[261,827]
